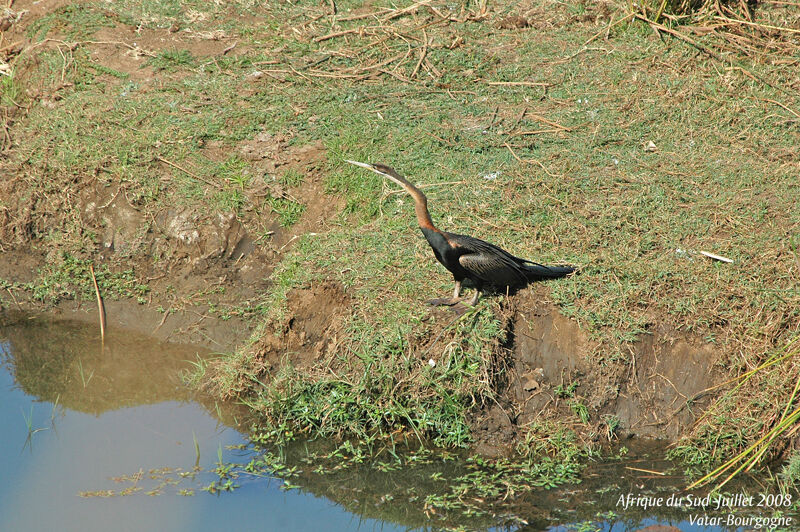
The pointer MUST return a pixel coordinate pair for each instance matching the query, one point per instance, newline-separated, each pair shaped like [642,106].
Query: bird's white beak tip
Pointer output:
[364,165]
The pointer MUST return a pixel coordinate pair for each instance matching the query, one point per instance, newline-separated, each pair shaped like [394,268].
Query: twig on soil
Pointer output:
[336,34]
[795,113]
[681,36]
[229,48]
[716,257]
[549,122]
[295,237]
[195,176]
[660,473]
[440,139]
[399,13]
[163,320]
[707,51]
[444,329]
[529,161]
[757,25]
[579,52]
[6,134]
[14,298]
[100,307]
[422,54]
[442,16]
[608,28]
[10,46]
[520,83]
[362,16]
[109,202]
[536,132]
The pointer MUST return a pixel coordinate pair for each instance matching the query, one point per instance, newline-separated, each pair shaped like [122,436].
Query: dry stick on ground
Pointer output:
[782,105]
[708,52]
[10,46]
[529,161]
[100,307]
[229,48]
[337,34]
[399,13]
[757,25]
[374,14]
[195,176]
[549,122]
[394,14]
[520,83]
[8,289]
[536,132]
[608,28]
[440,15]
[681,36]
[422,54]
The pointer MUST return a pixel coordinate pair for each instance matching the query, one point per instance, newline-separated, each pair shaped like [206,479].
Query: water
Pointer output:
[108,438]
[99,415]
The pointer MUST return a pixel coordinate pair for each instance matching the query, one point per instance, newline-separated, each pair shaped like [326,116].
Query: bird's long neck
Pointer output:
[420,203]
[421,209]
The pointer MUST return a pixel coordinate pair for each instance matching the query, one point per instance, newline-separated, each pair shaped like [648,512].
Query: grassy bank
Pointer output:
[582,135]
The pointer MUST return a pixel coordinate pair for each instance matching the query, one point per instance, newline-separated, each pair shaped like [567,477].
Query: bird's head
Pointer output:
[420,201]
[383,170]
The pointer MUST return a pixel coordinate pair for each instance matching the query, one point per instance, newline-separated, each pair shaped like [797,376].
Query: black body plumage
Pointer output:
[485,264]
[466,257]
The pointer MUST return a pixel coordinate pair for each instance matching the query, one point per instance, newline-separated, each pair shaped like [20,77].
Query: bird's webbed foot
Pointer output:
[448,301]
[459,309]
[444,301]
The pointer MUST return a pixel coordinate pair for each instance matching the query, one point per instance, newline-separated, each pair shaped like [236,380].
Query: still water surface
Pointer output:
[108,438]
[96,416]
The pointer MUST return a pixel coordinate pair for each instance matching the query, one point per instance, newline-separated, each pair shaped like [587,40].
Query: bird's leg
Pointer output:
[448,301]
[460,308]
[474,300]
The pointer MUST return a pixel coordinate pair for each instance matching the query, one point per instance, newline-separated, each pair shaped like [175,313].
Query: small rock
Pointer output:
[650,146]
[513,22]
[530,385]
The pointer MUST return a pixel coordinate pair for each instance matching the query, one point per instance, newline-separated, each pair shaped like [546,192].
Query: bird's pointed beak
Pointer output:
[363,165]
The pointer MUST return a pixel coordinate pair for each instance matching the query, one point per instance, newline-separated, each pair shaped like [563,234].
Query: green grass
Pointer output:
[173,60]
[10,91]
[75,22]
[374,382]
[69,278]
[722,179]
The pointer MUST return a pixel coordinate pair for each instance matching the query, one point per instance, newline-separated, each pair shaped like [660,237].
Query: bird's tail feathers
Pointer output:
[536,271]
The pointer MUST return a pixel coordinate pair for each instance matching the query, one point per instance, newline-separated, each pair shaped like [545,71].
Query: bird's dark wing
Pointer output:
[487,262]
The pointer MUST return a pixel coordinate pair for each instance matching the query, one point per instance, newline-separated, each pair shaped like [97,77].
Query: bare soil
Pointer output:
[656,396]
[659,396]
[206,252]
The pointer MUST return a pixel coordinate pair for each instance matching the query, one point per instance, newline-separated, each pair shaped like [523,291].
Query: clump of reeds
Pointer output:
[784,427]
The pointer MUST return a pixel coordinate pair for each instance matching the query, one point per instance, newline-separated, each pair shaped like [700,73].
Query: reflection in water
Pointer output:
[76,420]
[64,362]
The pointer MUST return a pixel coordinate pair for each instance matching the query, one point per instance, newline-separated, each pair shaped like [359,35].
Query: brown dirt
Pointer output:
[199,252]
[657,395]
[203,259]
[308,333]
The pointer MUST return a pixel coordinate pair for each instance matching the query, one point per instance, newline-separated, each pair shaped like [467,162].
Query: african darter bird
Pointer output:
[466,257]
